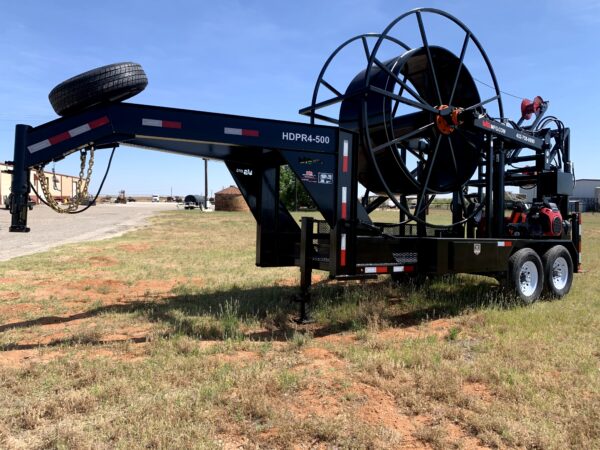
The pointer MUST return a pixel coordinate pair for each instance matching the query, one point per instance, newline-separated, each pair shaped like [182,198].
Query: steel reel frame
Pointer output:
[373,63]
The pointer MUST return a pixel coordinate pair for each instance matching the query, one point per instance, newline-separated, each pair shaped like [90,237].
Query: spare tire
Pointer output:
[106,84]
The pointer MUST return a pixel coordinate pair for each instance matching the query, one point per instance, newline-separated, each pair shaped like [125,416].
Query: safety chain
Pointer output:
[82,185]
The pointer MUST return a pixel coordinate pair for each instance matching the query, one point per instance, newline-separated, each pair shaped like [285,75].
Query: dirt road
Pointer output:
[50,229]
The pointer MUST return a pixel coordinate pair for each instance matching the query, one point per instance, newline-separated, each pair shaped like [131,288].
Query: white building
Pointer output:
[586,190]
[61,186]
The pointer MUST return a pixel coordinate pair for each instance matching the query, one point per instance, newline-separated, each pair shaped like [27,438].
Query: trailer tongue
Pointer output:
[410,124]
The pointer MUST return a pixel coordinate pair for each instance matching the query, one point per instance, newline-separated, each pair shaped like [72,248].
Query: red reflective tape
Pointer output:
[59,138]
[342,258]
[344,211]
[345,164]
[409,268]
[252,133]
[382,269]
[99,122]
[171,124]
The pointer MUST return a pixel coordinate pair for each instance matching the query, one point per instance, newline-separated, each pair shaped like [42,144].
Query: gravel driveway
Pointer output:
[50,229]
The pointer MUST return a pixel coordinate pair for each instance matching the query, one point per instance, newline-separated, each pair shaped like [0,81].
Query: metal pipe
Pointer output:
[489,186]
[205,183]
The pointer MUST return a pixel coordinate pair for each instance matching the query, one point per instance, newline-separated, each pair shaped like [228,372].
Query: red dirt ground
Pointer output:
[328,388]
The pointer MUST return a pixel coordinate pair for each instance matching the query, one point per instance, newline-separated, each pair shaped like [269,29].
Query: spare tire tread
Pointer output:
[107,84]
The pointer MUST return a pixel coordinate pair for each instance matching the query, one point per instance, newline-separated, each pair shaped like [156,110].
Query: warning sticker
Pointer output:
[309,176]
[325,178]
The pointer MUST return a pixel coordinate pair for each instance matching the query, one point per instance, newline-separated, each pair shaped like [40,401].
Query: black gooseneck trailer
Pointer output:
[411,125]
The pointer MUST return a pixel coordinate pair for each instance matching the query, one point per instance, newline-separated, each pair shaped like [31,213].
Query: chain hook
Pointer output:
[82,183]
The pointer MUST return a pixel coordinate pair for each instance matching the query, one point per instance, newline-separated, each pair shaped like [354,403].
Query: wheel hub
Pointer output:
[528,278]
[560,273]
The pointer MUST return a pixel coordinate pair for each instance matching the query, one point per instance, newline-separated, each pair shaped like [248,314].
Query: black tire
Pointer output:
[526,275]
[107,84]
[558,271]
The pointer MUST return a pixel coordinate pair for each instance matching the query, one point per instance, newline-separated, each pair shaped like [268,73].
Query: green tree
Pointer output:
[291,189]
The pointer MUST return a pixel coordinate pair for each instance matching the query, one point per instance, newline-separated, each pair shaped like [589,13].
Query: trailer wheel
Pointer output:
[106,84]
[558,270]
[526,275]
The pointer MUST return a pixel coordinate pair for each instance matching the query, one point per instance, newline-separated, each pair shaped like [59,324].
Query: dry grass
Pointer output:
[169,337]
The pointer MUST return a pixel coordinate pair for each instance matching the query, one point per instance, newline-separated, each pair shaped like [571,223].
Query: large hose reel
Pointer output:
[407,108]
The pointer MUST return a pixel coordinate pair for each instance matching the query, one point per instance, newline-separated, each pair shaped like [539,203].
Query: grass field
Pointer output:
[170,337]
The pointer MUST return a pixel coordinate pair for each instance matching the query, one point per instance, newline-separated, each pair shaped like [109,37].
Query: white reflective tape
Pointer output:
[79,130]
[39,146]
[580,227]
[235,131]
[343,243]
[344,194]
[345,151]
[152,123]
[370,269]
[398,269]
[501,244]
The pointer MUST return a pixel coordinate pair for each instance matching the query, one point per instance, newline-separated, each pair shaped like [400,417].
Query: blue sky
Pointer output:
[261,58]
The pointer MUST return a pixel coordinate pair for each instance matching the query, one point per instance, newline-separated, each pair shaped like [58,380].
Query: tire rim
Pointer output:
[560,273]
[528,278]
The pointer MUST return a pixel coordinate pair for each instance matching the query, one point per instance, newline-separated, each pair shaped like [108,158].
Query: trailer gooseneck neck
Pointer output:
[404,128]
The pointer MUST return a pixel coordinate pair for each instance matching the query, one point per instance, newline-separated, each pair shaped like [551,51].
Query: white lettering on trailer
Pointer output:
[498,129]
[303,137]
[525,138]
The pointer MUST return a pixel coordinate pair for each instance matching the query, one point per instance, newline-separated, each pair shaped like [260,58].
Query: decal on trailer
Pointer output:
[161,123]
[325,178]
[246,172]
[68,134]
[241,132]
[309,176]
[304,137]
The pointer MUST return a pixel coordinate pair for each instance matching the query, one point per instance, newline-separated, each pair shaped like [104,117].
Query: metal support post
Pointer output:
[499,192]
[306,250]
[489,186]
[457,214]
[205,184]
[19,196]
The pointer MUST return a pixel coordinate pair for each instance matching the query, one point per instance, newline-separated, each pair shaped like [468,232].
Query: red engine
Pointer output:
[543,219]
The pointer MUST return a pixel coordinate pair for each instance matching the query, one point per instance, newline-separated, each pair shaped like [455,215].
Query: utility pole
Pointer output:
[205,183]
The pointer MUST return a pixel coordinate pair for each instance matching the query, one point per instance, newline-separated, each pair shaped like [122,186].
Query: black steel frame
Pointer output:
[346,243]
[325,159]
